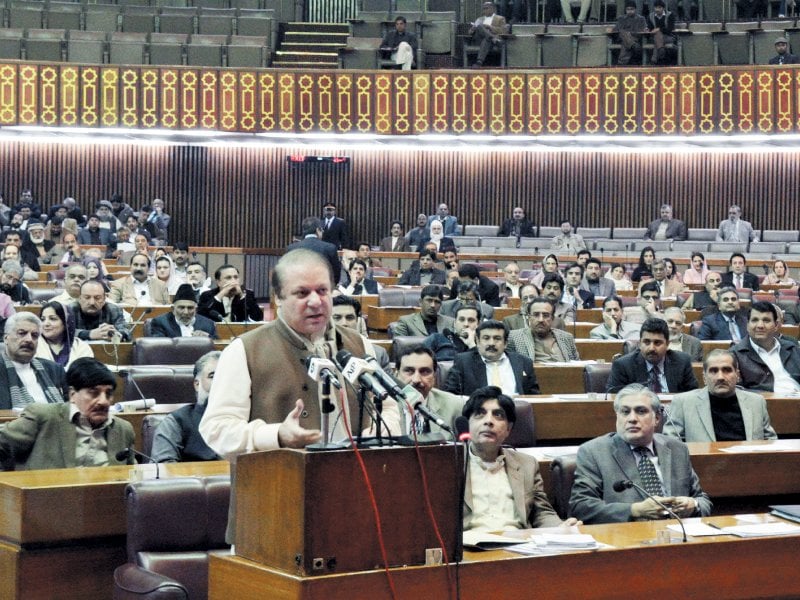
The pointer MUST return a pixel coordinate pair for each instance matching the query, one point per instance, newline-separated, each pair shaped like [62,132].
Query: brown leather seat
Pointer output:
[170,351]
[173,524]
[168,385]
[403,343]
[523,434]
[562,476]
[595,377]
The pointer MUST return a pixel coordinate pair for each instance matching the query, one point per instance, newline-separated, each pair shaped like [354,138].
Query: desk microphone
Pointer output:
[358,371]
[125,374]
[128,454]
[217,317]
[395,391]
[322,369]
[625,484]
[432,416]
[135,322]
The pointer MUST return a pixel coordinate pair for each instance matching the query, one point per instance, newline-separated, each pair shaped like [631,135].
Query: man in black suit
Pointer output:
[489,291]
[783,57]
[312,232]
[423,271]
[183,321]
[334,229]
[230,301]
[490,364]
[728,323]
[573,294]
[518,225]
[653,364]
[737,275]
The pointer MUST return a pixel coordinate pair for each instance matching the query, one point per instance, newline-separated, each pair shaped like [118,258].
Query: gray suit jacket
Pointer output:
[521,341]
[44,438]
[607,287]
[414,325]
[676,230]
[690,417]
[608,459]
[531,505]
[446,405]
[692,346]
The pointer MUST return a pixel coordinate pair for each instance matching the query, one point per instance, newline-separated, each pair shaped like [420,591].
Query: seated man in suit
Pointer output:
[782,54]
[178,437]
[95,318]
[511,286]
[428,320]
[678,340]
[648,304]
[666,287]
[417,368]
[460,338]
[138,288]
[489,291]
[707,299]
[767,360]
[573,294]
[567,242]
[518,225]
[540,342]
[733,229]
[230,301]
[502,493]
[490,363]
[78,433]
[553,290]
[467,294]
[347,313]
[594,282]
[728,323]
[719,412]
[26,379]
[526,293]
[449,222]
[358,283]
[653,364]
[183,321]
[423,271]
[487,31]
[737,275]
[635,453]
[400,45]
[416,236]
[614,326]
[666,228]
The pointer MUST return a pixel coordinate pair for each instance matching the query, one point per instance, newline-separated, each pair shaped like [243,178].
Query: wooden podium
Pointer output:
[310,513]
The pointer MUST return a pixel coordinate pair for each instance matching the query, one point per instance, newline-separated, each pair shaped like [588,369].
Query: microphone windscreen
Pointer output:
[621,485]
[123,454]
[342,358]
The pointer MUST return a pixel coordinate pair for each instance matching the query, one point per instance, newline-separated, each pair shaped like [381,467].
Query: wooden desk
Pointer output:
[722,566]
[568,378]
[62,531]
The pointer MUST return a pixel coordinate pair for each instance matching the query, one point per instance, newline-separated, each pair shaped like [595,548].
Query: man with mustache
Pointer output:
[11,282]
[26,380]
[138,288]
[490,364]
[78,433]
[417,368]
[74,277]
[654,365]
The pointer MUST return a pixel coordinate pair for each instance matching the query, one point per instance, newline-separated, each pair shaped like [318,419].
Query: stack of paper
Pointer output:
[763,529]
[543,544]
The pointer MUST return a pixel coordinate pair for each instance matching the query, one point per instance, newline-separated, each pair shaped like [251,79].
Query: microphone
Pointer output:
[134,323]
[357,370]
[129,376]
[625,484]
[395,391]
[462,429]
[432,416]
[322,369]
[128,454]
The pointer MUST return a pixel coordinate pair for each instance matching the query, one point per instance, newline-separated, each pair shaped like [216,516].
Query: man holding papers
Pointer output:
[635,454]
[504,488]
[719,412]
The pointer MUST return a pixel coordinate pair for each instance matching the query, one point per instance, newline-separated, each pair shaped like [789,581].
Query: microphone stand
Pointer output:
[670,512]
[327,408]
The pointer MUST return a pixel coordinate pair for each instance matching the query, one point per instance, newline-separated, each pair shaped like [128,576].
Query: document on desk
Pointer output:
[763,529]
[483,540]
[773,446]
[543,544]
[696,528]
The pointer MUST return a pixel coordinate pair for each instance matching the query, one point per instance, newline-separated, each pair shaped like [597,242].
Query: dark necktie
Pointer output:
[647,471]
[654,382]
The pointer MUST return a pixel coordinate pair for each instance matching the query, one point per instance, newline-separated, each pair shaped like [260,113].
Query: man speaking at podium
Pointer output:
[262,397]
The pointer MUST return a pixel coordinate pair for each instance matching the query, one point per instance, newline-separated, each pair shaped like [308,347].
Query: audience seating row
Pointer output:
[122,48]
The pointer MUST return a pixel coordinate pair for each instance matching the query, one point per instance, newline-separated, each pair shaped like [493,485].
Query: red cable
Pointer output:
[429,508]
[374,503]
